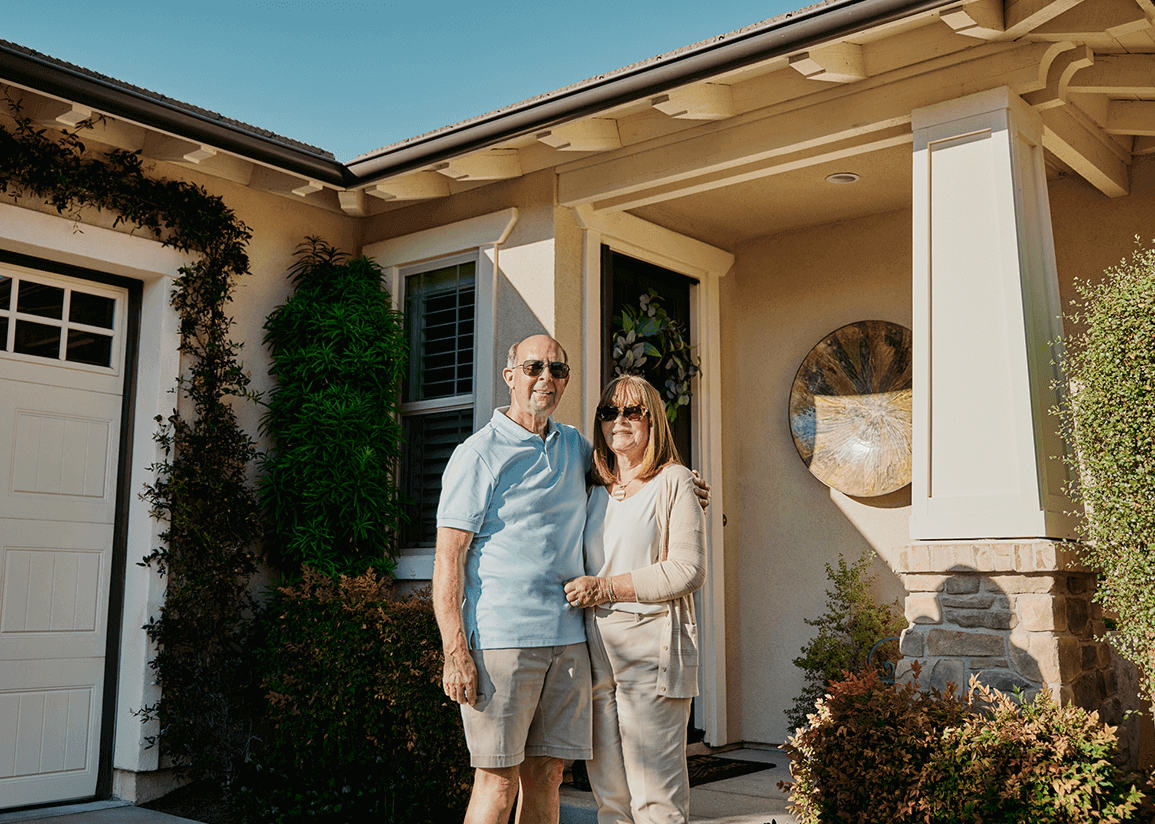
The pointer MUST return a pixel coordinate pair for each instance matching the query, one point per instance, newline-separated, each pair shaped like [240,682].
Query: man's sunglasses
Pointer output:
[557,369]
[610,413]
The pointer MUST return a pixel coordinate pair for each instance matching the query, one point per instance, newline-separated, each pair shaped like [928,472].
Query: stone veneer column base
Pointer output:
[1014,614]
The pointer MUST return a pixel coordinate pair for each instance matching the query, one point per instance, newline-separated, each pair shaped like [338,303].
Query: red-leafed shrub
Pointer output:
[872,752]
[862,756]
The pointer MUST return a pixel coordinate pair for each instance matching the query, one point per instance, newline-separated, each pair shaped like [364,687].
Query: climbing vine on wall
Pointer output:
[201,490]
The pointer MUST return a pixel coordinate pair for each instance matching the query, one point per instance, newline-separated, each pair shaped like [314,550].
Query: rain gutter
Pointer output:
[790,35]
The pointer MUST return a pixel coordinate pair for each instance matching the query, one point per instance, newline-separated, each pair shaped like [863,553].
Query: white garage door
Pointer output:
[61,379]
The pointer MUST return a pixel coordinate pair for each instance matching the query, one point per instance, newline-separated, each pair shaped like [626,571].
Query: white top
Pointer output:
[622,536]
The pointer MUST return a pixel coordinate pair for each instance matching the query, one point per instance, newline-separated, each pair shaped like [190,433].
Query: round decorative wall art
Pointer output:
[850,409]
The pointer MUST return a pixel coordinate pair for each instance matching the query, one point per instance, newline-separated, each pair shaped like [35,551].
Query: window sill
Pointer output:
[415,565]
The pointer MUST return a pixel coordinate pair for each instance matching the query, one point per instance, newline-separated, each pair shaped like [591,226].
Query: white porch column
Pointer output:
[986,311]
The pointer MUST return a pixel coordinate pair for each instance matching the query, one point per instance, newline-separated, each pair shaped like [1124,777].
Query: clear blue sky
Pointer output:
[351,77]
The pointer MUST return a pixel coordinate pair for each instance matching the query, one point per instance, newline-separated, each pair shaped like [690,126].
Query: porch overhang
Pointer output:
[775,38]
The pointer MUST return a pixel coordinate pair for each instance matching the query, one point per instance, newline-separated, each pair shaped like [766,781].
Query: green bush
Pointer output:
[873,752]
[358,726]
[1035,763]
[1109,420]
[852,625]
[328,486]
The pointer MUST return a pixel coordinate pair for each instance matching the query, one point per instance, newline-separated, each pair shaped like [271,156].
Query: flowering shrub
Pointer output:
[862,756]
[1109,420]
[850,628]
[873,752]
[1027,764]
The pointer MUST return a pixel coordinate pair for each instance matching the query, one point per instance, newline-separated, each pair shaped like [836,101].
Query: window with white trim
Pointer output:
[438,397]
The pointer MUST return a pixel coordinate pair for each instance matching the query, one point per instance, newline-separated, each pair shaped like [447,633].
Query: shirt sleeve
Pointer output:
[466,489]
[684,570]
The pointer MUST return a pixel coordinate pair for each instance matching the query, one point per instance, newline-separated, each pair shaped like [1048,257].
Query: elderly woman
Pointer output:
[645,557]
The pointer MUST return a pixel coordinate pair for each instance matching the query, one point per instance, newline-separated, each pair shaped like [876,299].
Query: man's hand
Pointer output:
[702,489]
[459,677]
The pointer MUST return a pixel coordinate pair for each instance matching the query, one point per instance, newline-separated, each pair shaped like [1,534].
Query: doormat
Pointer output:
[707,768]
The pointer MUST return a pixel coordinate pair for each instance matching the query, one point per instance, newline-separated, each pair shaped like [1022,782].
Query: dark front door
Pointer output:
[624,281]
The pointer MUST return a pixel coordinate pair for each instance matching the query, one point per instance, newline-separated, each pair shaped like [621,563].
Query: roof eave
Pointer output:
[69,84]
[786,36]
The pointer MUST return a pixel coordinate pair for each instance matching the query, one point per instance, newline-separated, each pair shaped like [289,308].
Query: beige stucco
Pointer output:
[1093,232]
[785,293]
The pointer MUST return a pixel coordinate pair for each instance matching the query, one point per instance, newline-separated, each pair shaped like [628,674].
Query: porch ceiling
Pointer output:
[796,199]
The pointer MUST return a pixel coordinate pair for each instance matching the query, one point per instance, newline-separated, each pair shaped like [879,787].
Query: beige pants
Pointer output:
[638,772]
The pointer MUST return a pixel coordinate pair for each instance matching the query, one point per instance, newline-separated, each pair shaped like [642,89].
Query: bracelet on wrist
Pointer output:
[610,582]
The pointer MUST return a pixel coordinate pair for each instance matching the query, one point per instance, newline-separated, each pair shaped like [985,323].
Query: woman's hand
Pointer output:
[701,489]
[587,591]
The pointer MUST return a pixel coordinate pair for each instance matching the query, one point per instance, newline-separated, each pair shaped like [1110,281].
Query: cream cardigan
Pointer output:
[678,574]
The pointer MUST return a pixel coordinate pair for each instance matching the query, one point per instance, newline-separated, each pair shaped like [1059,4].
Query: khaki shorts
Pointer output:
[530,702]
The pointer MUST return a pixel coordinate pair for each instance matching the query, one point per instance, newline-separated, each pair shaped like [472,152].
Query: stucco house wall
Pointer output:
[1092,232]
[785,294]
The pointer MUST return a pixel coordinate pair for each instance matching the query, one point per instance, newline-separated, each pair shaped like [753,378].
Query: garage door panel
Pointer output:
[60,453]
[49,590]
[53,588]
[49,749]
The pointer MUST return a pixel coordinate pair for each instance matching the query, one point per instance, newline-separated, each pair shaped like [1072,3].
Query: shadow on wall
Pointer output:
[516,321]
[892,500]
[1015,631]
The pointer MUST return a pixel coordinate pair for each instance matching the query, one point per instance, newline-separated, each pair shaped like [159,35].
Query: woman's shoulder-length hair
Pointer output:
[660,450]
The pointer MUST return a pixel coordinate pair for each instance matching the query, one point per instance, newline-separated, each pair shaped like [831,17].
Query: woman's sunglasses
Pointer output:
[557,369]
[610,413]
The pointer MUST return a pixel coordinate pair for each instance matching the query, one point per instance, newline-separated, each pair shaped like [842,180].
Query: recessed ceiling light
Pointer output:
[842,177]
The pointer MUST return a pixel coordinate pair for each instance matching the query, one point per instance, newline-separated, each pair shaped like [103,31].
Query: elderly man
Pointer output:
[509,535]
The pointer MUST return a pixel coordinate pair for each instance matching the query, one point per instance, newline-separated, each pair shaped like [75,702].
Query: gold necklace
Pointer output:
[618,493]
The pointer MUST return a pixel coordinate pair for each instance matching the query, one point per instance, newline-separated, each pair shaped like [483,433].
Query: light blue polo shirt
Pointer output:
[525,501]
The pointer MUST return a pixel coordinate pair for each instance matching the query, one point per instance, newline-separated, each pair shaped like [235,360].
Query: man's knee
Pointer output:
[542,771]
[497,782]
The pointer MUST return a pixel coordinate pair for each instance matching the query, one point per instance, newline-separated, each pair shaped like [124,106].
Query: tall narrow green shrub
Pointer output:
[852,625]
[328,485]
[1109,419]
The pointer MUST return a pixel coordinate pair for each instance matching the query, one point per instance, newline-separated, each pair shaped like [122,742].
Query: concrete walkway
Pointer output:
[747,799]
[94,812]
